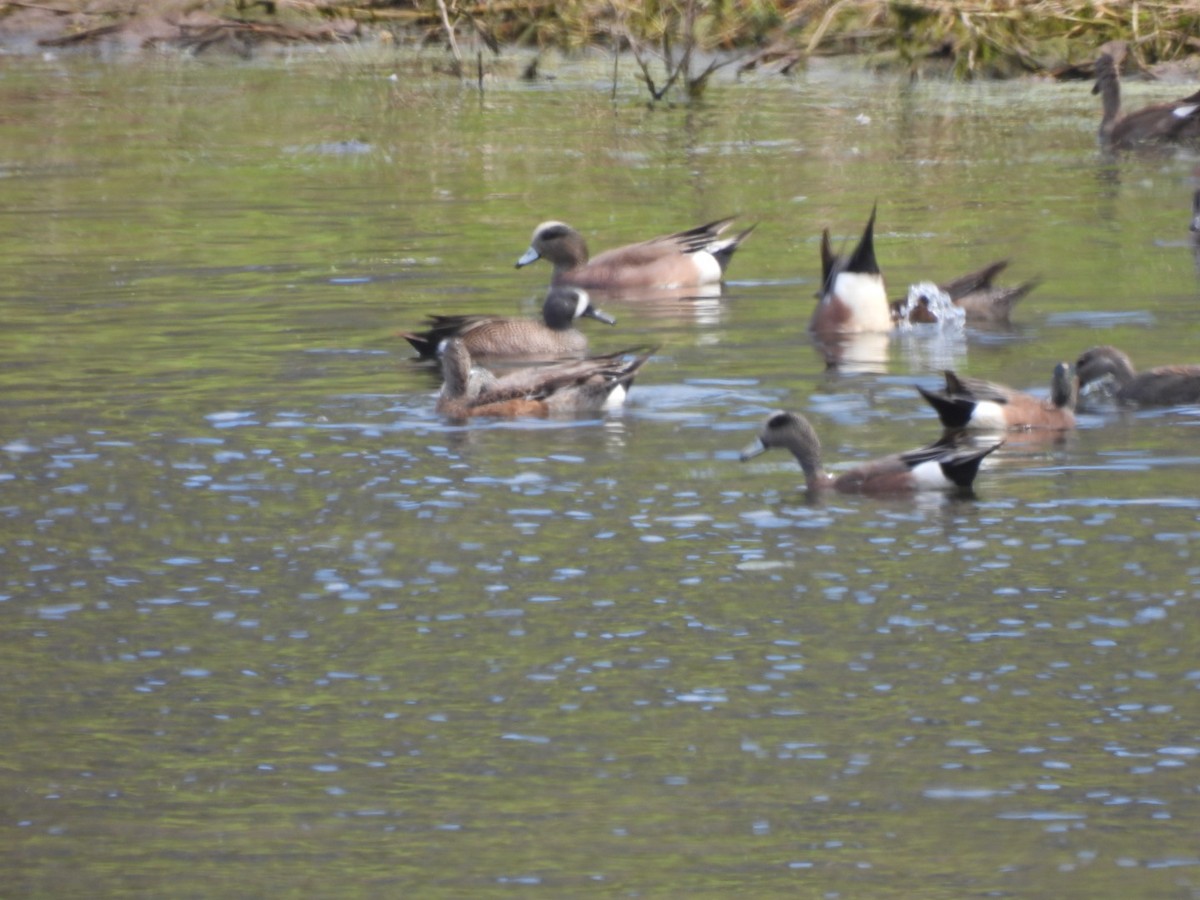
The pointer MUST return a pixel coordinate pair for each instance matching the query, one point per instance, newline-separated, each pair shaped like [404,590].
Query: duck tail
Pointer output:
[422,342]
[955,412]
[1014,295]
[630,370]
[723,250]
[862,260]
[962,467]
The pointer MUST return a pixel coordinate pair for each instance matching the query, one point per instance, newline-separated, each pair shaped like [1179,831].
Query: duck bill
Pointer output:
[753,449]
[592,313]
[528,257]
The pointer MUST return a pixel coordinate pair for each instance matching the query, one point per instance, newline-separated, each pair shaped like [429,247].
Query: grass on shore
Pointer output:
[976,38]
[994,38]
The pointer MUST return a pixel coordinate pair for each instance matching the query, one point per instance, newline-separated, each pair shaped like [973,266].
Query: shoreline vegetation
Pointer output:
[670,39]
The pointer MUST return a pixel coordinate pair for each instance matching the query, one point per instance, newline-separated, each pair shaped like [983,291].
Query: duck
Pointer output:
[1159,123]
[975,403]
[980,299]
[594,384]
[554,337]
[1194,230]
[853,295]
[692,258]
[1160,386]
[939,466]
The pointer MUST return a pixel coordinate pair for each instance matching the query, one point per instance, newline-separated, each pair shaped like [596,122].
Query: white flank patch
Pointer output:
[989,415]
[615,398]
[1182,112]
[707,267]
[866,299]
[582,303]
[930,477]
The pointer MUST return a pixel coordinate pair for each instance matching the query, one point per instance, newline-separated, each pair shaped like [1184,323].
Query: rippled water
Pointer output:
[272,627]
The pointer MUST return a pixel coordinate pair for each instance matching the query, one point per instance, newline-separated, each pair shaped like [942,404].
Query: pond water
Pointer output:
[271,627]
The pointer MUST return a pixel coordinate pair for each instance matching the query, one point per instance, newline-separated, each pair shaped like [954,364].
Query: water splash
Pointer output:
[928,304]
[931,328]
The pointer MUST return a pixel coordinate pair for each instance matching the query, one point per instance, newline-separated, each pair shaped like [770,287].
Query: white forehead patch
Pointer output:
[546,226]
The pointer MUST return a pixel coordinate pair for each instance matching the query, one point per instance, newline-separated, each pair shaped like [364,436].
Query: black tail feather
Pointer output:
[963,467]
[955,412]
[862,260]
[725,253]
[426,348]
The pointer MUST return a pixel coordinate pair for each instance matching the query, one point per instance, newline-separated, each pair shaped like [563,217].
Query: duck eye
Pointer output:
[553,234]
[779,420]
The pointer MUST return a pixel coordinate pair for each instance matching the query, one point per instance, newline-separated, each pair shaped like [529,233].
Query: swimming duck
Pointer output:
[586,385]
[689,258]
[554,337]
[974,292]
[975,403]
[1160,386]
[853,297]
[940,466]
[1160,123]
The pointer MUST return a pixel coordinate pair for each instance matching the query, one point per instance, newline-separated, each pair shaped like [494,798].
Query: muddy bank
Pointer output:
[989,38]
[27,27]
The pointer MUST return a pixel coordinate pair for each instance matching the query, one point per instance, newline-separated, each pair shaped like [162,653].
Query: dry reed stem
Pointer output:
[981,35]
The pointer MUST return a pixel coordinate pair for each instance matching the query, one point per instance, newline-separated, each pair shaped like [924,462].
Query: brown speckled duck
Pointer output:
[587,385]
[979,298]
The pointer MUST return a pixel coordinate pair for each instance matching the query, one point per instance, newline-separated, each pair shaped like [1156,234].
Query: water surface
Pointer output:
[272,627]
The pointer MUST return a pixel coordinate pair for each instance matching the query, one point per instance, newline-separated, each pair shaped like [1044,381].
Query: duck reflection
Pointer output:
[933,347]
[702,305]
[861,353]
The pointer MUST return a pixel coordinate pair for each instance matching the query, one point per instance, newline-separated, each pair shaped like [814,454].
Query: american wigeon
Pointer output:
[980,299]
[975,403]
[554,337]
[853,297]
[1160,123]
[689,258]
[1160,386]
[940,466]
[586,385]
